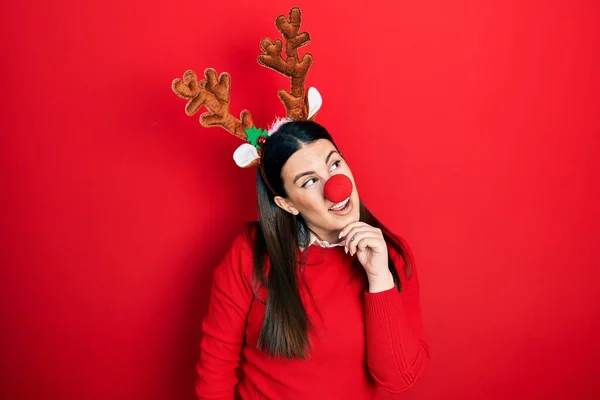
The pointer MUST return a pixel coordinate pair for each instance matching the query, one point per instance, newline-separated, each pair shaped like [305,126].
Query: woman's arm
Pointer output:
[224,325]
[396,352]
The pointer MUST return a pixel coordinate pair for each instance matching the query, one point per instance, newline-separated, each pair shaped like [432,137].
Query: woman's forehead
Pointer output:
[308,156]
[316,151]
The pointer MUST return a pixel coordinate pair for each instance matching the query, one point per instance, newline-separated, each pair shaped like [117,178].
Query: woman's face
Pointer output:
[304,175]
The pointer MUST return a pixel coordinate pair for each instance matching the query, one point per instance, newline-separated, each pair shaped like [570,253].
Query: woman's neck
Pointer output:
[328,236]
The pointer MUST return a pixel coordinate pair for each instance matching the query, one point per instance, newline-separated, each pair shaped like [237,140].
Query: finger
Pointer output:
[354,234]
[374,243]
[362,228]
[347,228]
[350,237]
[362,240]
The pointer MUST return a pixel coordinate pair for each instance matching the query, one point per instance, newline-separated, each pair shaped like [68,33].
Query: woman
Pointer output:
[317,300]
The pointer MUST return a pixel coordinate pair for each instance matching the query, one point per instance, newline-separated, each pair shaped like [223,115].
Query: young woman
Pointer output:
[316,300]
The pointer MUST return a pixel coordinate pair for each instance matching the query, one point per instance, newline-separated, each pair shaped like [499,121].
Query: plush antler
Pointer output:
[294,102]
[214,93]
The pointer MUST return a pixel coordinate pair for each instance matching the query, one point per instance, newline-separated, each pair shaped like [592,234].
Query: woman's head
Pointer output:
[298,160]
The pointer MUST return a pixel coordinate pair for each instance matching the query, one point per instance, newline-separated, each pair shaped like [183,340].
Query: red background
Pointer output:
[472,128]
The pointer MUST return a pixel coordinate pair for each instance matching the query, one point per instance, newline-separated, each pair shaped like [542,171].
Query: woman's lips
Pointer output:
[341,208]
[340,205]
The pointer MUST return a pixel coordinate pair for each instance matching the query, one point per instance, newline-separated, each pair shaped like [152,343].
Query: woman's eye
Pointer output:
[312,181]
[308,182]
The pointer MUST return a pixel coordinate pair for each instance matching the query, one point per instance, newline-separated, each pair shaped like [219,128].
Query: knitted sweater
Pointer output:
[361,342]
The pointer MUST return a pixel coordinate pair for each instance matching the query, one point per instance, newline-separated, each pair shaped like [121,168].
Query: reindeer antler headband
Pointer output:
[214,92]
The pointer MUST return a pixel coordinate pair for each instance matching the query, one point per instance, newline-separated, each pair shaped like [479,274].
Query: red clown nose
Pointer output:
[338,188]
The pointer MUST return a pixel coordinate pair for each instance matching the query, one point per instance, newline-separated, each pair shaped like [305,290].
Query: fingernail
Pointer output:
[340,235]
[346,249]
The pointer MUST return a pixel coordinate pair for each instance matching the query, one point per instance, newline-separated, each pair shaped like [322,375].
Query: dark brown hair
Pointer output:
[278,235]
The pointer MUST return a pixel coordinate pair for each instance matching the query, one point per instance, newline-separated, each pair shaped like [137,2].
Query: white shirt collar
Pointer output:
[321,243]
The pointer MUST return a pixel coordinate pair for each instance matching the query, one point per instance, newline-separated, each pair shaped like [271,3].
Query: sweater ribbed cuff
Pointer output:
[383,304]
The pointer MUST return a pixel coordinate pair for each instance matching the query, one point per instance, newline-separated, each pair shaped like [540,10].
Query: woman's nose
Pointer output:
[337,188]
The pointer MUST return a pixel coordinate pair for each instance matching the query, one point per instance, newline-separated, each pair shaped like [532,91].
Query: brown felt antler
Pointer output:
[294,101]
[214,93]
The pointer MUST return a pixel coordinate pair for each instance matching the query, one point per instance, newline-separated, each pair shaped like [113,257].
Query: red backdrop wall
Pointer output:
[472,128]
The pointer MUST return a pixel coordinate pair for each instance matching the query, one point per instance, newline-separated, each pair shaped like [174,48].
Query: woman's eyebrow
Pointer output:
[329,156]
[301,174]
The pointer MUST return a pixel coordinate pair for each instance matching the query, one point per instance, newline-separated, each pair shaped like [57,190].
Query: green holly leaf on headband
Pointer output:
[253,134]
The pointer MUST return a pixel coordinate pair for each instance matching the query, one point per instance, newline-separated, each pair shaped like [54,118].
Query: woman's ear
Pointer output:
[285,205]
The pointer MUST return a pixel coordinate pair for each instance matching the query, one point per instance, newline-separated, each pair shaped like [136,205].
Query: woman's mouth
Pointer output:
[341,207]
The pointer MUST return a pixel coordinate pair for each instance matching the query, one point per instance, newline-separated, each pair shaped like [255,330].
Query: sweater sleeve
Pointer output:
[224,325]
[396,352]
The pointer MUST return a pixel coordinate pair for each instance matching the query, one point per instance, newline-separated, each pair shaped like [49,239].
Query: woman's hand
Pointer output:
[368,244]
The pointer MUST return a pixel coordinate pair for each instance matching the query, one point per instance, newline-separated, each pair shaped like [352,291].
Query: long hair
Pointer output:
[278,236]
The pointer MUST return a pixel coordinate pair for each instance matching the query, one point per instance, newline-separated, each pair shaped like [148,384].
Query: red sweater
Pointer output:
[361,341]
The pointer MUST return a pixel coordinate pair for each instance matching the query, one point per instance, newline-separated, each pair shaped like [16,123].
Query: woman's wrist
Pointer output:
[380,283]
